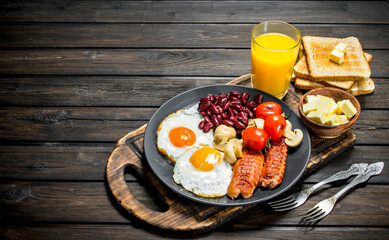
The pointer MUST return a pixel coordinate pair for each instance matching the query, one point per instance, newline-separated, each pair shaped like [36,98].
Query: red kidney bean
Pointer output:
[238,124]
[235,101]
[244,120]
[203,113]
[224,115]
[207,98]
[221,101]
[215,121]
[234,98]
[235,94]
[251,104]
[211,98]
[219,118]
[207,127]
[228,95]
[213,109]
[226,105]
[235,111]
[208,112]
[258,99]
[237,107]
[244,97]
[243,114]
[207,119]
[204,106]
[230,112]
[222,95]
[232,118]
[228,122]
[201,124]
[250,113]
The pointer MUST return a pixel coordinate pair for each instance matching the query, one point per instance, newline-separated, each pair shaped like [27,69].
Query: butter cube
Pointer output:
[333,108]
[333,120]
[347,108]
[341,47]
[311,98]
[343,119]
[309,107]
[322,105]
[337,56]
[326,98]
[317,117]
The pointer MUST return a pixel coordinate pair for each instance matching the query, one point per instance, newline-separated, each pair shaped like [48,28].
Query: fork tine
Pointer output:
[280,201]
[286,202]
[289,204]
[315,217]
[286,208]
[311,211]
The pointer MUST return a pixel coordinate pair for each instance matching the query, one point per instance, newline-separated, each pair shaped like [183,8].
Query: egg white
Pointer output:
[212,183]
[189,118]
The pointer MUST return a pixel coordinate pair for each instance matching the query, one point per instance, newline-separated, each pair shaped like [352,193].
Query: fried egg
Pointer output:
[203,171]
[179,131]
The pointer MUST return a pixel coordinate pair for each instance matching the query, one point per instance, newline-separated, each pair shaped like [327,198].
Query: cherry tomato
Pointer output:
[255,138]
[275,126]
[267,108]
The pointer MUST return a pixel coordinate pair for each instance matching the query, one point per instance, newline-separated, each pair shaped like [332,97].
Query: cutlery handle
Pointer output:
[354,169]
[373,169]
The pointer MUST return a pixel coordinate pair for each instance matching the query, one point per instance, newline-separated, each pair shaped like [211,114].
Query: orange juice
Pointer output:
[273,56]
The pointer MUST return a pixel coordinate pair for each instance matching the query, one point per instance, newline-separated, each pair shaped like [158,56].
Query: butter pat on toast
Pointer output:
[317,51]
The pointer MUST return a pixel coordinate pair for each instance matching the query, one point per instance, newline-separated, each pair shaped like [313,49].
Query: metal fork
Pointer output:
[298,198]
[324,207]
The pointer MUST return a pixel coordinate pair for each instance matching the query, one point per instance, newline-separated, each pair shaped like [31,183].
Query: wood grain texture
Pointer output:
[125,91]
[190,11]
[160,62]
[109,124]
[125,231]
[87,161]
[89,35]
[88,202]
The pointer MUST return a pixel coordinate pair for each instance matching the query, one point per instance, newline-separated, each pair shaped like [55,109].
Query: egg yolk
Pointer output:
[182,137]
[205,158]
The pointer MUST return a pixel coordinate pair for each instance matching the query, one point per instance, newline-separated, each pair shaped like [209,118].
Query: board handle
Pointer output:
[175,218]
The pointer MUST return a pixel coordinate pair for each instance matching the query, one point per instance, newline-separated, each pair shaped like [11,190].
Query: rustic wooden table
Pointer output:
[76,76]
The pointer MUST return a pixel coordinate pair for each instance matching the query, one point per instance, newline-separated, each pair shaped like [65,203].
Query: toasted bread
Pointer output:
[305,84]
[358,88]
[301,71]
[317,51]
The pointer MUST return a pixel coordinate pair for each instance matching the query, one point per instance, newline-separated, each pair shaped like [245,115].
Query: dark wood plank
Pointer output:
[125,91]
[97,232]
[161,62]
[87,162]
[209,12]
[98,90]
[87,202]
[110,124]
[169,35]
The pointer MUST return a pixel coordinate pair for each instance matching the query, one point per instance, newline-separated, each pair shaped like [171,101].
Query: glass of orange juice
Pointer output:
[274,49]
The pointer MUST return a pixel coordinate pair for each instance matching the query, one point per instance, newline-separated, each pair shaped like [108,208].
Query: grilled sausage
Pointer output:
[275,161]
[246,174]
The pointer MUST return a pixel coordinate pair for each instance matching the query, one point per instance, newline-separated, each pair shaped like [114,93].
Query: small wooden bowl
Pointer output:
[325,131]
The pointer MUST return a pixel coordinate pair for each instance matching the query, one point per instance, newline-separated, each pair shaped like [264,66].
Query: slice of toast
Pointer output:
[306,84]
[301,71]
[358,88]
[317,52]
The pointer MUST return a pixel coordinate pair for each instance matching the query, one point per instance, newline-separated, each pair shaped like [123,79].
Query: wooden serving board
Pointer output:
[183,214]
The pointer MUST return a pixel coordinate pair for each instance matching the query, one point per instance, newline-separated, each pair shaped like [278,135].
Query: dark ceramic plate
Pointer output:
[296,162]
